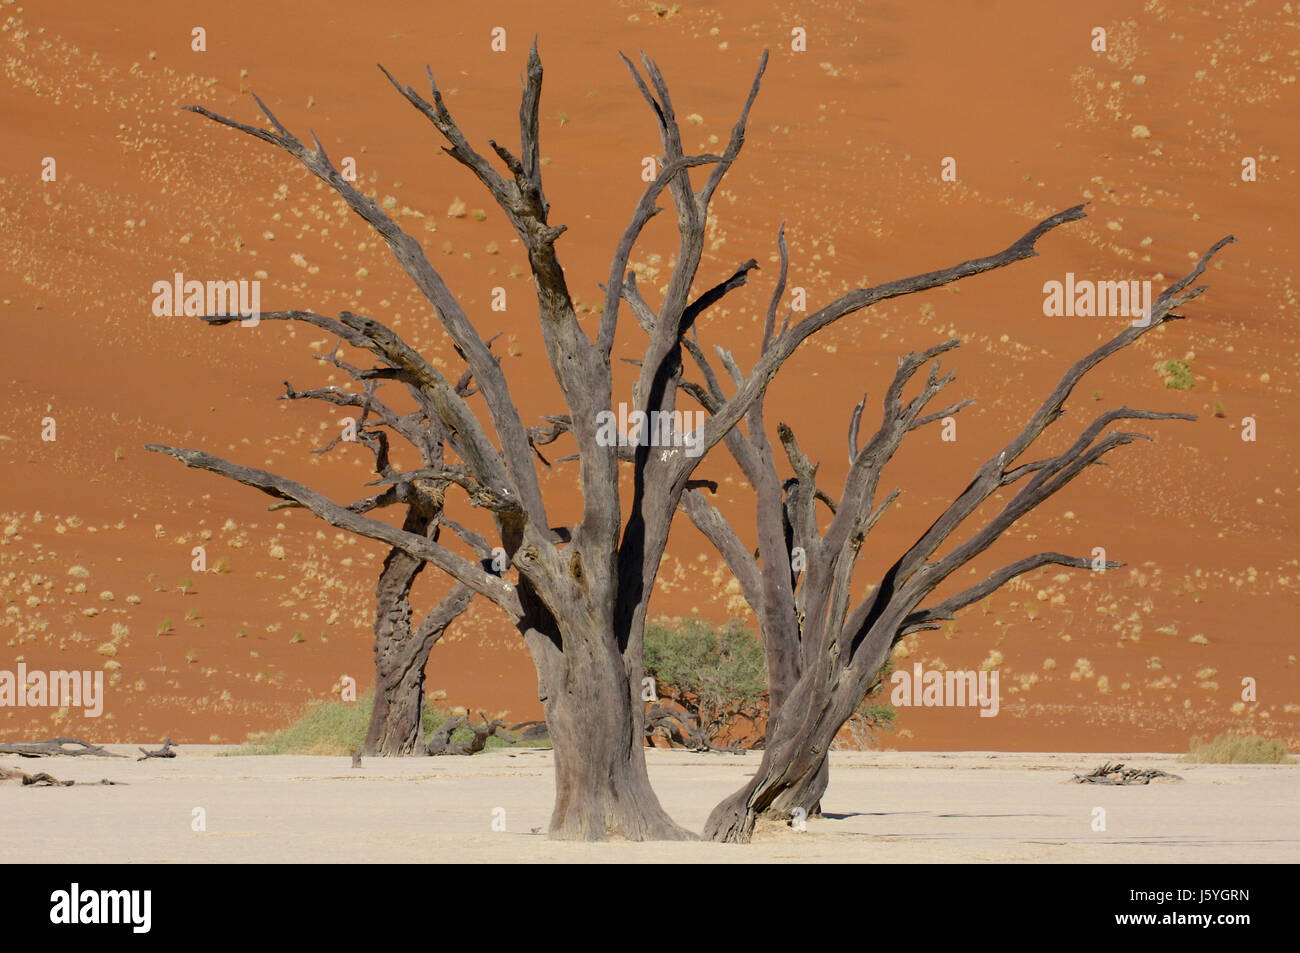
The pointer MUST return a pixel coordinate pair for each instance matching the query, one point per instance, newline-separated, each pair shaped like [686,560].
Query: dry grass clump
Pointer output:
[1237,749]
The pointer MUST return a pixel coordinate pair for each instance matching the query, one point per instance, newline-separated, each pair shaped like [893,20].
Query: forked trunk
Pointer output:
[402,653]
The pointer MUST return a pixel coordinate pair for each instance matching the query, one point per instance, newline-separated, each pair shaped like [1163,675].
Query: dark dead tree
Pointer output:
[577,595]
[826,653]
[401,650]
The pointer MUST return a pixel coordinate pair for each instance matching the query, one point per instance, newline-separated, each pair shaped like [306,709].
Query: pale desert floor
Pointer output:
[884,807]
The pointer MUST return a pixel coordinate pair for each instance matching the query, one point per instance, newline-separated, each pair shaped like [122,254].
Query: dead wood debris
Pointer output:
[680,729]
[41,779]
[440,742]
[164,752]
[1116,773]
[55,746]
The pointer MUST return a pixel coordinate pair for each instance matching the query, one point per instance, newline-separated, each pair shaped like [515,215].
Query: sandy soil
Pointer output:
[844,145]
[889,807]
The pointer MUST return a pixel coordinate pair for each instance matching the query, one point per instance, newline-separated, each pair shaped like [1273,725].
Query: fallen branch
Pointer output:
[41,779]
[164,752]
[55,746]
[1118,774]
[678,727]
[440,742]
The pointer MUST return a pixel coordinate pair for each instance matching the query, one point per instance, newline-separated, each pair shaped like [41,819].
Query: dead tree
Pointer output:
[824,653]
[401,650]
[578,595]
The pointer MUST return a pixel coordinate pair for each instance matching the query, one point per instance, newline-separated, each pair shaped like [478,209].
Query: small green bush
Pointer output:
[722,665]
[1176,374]
[1237,749]
[719,675]
[716,673]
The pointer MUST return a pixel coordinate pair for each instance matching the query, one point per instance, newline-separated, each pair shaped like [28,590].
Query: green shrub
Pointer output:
[719,675]
[1175,374]
[1237,749]
[720,663]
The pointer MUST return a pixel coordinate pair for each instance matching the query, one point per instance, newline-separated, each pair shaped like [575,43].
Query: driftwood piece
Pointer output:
[41,779]
[1118,774]
[164,752]
[440,742]
[55,746]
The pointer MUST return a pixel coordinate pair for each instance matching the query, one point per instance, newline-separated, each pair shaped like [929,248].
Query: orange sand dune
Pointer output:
[845,145]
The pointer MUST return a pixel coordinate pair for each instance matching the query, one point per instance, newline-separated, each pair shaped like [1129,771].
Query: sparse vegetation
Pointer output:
[1237,749]
[338,728]
[716,673]
[1175,374]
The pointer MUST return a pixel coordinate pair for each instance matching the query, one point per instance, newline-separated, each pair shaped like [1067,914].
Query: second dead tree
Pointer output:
[824,652]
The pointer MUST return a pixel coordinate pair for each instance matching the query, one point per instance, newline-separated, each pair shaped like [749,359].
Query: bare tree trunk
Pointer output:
[782,680]
[595,718]
[402,652]
[395,719]
[794,770]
